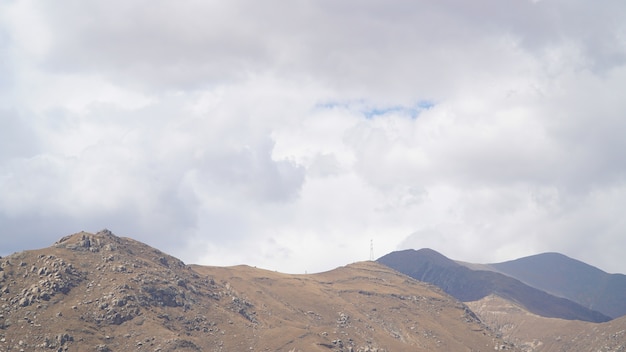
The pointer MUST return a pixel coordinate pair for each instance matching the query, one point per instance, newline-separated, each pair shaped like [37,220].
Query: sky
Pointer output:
[291,135]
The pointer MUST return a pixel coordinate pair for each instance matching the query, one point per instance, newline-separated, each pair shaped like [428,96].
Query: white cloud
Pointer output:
[289,135]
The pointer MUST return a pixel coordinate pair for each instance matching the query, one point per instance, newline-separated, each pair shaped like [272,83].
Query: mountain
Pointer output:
[531,332]
[101,292]
[471,285]
[572,279]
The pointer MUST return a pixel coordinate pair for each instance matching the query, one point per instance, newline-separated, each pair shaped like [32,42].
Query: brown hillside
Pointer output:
[531,332]
[364,305]
[100,292]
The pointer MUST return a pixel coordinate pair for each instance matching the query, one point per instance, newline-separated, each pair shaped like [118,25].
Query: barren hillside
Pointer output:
[531,332]
[364,306]
[100,292]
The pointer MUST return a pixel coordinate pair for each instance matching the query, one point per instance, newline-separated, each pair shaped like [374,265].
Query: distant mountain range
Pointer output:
[549,285]
[572,279]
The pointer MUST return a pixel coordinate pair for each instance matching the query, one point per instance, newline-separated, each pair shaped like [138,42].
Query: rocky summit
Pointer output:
[101,292]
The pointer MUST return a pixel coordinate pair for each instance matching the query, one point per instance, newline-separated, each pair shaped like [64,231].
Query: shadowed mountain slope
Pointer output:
[100,292]
[572,279]
[471,285]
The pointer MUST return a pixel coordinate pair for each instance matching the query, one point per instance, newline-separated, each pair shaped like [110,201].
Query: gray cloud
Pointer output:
[19,137]
[252,173]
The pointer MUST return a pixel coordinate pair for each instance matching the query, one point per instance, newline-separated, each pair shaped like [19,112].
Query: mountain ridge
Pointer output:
[470,285]
[101,292]
[570,278]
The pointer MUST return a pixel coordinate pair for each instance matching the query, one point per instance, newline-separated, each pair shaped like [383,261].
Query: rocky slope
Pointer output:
[100,292]
[533,333]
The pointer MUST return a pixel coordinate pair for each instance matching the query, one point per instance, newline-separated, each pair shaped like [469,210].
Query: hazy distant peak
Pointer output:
[570,278]
[473,282]
[551,261]
[420,255]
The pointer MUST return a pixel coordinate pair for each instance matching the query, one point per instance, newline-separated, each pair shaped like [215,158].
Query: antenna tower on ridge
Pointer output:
[371,250]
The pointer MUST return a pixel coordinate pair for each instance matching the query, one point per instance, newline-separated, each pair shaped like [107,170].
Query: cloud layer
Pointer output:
[289,135]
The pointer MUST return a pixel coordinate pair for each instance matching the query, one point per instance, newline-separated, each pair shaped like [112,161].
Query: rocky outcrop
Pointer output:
[84,241]
[101,280]
[48,276]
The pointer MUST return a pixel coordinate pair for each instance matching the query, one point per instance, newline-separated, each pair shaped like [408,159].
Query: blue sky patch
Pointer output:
[370,111]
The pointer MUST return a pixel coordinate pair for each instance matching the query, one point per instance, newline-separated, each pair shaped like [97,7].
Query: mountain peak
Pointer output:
[88,241]
[563,276]
[412,256]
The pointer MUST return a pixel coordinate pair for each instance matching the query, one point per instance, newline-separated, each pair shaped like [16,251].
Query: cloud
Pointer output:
[289,135]
[19,137]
